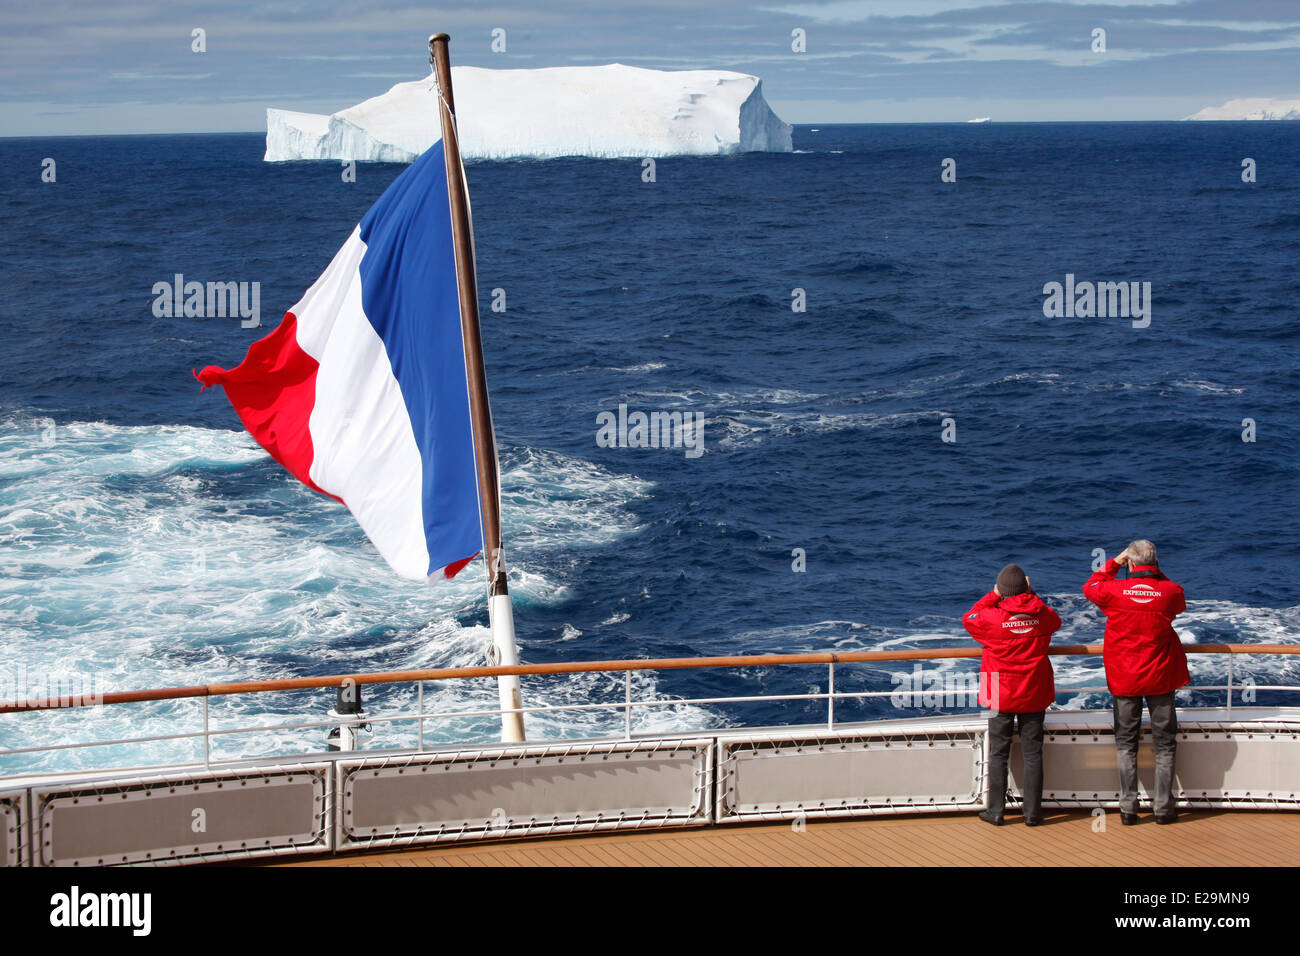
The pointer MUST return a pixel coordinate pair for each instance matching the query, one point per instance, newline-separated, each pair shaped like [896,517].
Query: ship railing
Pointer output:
[628,668]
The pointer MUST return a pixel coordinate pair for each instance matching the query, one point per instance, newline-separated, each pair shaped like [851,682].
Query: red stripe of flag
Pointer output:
[274,391]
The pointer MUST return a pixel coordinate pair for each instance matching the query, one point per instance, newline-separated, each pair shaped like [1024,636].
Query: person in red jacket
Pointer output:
[1144,659]
[1016,683]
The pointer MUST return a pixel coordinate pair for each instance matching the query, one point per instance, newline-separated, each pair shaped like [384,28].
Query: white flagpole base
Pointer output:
[502,616]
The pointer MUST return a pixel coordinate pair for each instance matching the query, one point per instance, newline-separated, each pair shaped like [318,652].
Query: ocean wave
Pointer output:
[745,418]
[155,556]
[751,428]
[629,369]
[1204,622]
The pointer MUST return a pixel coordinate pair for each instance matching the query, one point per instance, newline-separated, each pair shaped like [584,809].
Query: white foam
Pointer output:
[167,555]
[1081,623]
[747,418]
[1212,387]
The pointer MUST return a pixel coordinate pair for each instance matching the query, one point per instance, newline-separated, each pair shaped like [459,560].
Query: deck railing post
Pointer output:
[420,699]
[207,738]
[1230,685]
[830,698]
[627,705]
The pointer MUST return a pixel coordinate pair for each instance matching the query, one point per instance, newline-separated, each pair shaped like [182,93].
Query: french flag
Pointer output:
[361,392]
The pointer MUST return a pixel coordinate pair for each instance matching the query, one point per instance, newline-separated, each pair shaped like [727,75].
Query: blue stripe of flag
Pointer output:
[408,291]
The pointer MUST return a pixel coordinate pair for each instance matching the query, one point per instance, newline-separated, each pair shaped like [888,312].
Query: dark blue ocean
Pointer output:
[145,540]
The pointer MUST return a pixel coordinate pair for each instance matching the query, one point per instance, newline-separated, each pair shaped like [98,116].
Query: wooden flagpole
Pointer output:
[500,611]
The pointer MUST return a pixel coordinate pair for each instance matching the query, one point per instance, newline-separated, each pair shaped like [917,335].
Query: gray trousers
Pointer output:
[1164,735]
[1001,727]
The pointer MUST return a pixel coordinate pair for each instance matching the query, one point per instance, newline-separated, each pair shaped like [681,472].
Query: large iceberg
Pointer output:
[1250,109]
[602,111]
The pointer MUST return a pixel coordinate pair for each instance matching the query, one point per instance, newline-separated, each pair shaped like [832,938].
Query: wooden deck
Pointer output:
[1199,838]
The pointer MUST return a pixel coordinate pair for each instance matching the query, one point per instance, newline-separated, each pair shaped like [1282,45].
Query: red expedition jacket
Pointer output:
[1015,632]
[1143,654]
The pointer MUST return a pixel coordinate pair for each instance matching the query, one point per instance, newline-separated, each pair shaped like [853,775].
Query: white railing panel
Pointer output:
[524,790]
[191,817]
[15,839]
[849,772]
[1230,764]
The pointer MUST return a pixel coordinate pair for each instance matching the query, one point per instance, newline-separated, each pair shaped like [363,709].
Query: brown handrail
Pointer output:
[649,664]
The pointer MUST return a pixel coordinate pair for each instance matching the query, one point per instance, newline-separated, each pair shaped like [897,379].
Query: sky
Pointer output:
[129,66]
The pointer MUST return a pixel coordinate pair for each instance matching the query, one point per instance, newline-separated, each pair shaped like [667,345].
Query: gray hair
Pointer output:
[1142,552]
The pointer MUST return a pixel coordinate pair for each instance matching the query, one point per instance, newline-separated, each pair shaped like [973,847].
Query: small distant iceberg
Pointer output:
[1256,108]
[979,119]
[600,111]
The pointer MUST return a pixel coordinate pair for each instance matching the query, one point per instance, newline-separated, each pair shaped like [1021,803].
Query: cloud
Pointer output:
[159,76]
[919,52]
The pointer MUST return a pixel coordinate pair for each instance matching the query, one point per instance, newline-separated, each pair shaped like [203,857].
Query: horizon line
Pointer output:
[262,132]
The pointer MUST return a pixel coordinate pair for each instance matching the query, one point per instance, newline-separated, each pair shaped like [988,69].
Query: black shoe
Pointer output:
[1129,819]
[988,816]
[1033,821]
[1165,820]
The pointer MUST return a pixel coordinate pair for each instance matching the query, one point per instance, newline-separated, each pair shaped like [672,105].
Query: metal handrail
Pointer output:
[205,692]
[580,667]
